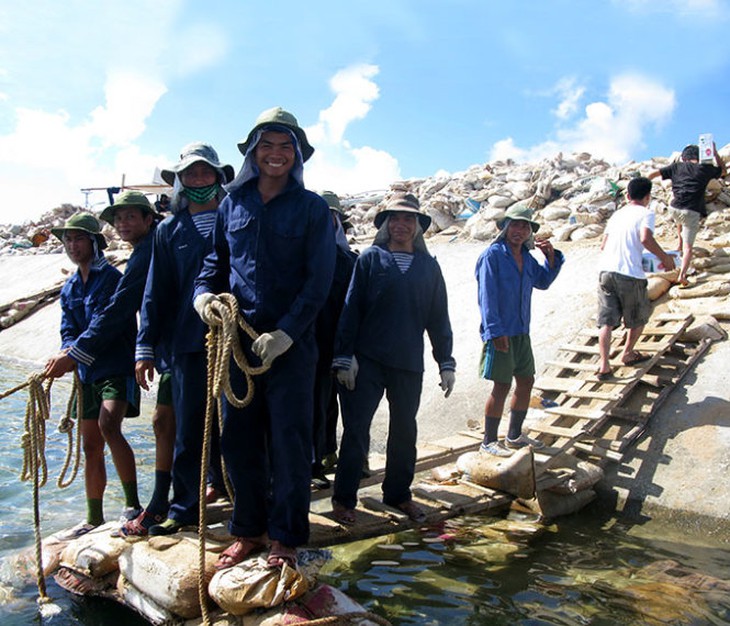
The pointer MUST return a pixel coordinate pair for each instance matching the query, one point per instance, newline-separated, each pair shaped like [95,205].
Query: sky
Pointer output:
[93,93]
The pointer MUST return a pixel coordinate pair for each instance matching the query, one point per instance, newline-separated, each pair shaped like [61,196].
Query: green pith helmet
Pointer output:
[278,117]
[518,212]
[82,221]
[129,198]
[194,152]
[333,201]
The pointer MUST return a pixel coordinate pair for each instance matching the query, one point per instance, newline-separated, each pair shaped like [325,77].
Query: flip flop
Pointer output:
[604,375]
[281,555]
[140,525]
[342,515]
[639,357]
[414,512]
[238,551]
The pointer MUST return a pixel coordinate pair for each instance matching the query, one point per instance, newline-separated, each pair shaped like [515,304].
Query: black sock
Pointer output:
[160,501]
[515,423]
[491,428]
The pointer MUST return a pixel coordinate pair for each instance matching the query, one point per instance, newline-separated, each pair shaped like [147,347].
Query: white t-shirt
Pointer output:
[623,249]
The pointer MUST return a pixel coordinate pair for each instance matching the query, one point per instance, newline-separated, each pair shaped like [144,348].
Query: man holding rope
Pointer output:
[274,249]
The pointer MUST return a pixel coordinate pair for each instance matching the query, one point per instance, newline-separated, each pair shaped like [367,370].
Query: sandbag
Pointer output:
[705,327]
[550,504]
[584,476]
[514,474]
[657,287]
[96,553]
[703,290]
[166,570]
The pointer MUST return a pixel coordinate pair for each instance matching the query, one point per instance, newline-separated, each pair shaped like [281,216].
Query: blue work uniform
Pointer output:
[505,292]
[277,259]
[383,321]
[167,319]
[82,305]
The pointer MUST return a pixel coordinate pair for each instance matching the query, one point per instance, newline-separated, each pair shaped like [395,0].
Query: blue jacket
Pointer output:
[81,306]
[121,310]
[505,294]
[277,259]
[386,313]
[167,318]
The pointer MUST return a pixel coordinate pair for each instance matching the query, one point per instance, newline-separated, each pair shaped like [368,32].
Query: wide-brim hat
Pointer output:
[405,203]
[129,198]
[192,153]
[82,221]
[278,117]
[518,212]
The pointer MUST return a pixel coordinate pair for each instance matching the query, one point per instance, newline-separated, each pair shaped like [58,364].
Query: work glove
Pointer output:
[448,378]
[346,377]
[271,345]
[201,302]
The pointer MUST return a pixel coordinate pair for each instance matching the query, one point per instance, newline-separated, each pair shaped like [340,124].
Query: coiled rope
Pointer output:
[222,342]
[33,443]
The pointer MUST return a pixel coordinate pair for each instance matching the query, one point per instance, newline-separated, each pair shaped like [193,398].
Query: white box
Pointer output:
[707,154]
[650,263]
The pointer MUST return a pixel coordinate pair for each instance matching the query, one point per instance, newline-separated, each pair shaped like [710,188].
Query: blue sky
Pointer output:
[387,90]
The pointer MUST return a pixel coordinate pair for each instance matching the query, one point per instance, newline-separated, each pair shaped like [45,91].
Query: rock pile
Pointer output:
[572,197]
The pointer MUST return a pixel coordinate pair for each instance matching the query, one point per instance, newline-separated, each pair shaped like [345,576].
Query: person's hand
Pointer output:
[501,344]
[268,346]
[59,365]
[668,262]
[201,302]
[144,373]
[448,378]
[546,247]
[347,377]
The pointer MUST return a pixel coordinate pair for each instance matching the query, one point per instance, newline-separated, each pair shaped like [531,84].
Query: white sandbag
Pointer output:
[514,474]
[705,327]
[584,477]
[96,553]
[657,287]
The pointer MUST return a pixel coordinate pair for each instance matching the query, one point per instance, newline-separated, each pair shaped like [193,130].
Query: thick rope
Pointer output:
[222,341]
[33,442]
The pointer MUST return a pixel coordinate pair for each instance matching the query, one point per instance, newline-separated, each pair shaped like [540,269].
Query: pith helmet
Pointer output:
[403,203]
[82,221]
[129,198]
[278,117]
[194,152]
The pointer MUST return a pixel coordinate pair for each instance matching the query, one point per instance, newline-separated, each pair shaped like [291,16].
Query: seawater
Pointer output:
[586,569]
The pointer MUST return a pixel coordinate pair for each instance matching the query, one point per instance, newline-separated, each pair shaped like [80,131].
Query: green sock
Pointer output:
[94,511]
[130,494]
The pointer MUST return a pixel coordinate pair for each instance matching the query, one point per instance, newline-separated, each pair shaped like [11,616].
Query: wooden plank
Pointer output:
[557,431]
[556,383]
[597,395]
[580,349]
[629,414]
[586,414]
[575,366]
[600,451]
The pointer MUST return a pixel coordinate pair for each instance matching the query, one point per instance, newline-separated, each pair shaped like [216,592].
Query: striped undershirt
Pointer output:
[204,222]
[403,260]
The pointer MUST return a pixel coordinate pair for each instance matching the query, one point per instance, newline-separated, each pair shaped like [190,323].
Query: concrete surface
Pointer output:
[681,465]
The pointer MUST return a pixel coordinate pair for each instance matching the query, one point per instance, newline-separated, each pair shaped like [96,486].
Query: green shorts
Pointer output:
[123,388]
[501,367]
[164,389]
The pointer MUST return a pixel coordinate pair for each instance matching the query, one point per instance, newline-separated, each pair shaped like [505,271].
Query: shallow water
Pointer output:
[586,569]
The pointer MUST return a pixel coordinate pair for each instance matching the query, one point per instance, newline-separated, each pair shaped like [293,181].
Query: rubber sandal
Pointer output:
[604,375]
[238,551]
[166,527]
[281,555]
[414,512]
[140,525]
[639,357]
[343,515]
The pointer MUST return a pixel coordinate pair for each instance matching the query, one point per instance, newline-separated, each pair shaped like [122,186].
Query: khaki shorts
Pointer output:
[622,296]
[164,389]
[122,388]
[501,367]
[689,221]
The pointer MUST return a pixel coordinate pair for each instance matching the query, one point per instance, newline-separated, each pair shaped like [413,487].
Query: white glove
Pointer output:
[347,377]
[201,302]
[448,378]
[271,345]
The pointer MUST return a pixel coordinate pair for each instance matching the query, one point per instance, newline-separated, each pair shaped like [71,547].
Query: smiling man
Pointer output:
[274,249]
[506,274]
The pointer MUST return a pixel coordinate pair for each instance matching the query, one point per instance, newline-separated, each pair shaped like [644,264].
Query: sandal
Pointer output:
[343,515]
[639,357]
[140,525]
[281,555]
[238,551]
[414,512]
[604,375]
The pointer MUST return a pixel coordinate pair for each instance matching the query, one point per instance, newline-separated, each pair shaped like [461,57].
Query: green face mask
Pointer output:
[201,195]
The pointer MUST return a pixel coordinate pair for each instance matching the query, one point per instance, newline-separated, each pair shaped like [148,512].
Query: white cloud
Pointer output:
[570,95]
[697,9]
[336,164]
[611,130]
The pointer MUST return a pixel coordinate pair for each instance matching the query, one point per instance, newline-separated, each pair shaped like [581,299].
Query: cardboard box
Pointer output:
[707,154]
[651,263]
